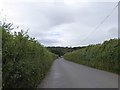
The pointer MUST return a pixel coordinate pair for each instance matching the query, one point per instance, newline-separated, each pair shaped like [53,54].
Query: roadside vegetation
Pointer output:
[25,62]
[101,56]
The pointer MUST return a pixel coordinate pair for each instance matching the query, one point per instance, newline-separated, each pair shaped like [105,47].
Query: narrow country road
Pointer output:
[65,74]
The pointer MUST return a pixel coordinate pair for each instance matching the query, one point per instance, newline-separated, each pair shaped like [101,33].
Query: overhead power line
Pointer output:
[96,28]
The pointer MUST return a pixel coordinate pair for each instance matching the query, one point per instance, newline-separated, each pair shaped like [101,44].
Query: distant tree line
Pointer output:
[62,50]
[25,61]
[101,56]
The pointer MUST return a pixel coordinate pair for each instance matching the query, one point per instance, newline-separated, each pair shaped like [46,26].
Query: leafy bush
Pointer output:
[25,61]
[101,56]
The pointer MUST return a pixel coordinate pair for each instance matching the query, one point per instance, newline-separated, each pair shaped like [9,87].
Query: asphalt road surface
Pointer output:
[65,74]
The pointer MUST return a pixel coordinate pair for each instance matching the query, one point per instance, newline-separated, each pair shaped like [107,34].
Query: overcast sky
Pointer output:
[63,22]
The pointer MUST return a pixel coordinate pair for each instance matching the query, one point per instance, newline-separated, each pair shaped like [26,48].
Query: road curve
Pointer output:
[65,74]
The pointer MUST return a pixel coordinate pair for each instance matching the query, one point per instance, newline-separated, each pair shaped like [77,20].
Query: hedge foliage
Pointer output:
[25,61]
[101,56]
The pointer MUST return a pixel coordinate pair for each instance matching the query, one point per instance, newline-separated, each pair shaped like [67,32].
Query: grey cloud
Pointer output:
[113,32]
[48,42]
[61,24]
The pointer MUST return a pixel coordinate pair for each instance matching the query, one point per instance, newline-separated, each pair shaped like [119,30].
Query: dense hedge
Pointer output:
[101,56]
[25,62]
